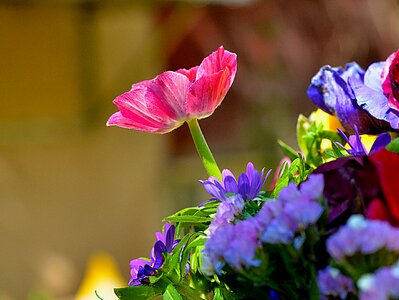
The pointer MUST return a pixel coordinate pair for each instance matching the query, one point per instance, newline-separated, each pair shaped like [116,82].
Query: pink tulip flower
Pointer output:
[164,103]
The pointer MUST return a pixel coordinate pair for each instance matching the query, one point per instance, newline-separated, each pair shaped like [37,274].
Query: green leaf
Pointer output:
[287,150]
[188,219]
[331,135]
[171,293]
[218,294]
[393,146]
[302,127]
[198,241]
[138,292]
[172,262]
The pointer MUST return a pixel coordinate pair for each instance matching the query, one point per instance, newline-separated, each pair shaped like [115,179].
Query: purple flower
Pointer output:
[294,210]
[226,212]
[332,284]
[232,244]
[141,269]
[362,236]
[383,284]
[332,90]
[248,185]
[379,94]
[356,145]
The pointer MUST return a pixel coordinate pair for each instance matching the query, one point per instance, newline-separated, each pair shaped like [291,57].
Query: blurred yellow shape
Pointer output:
[329,122]
[102,276]
[367,140]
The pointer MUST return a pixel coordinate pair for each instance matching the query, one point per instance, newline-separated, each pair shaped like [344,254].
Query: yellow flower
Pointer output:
[329,122]
[102,276]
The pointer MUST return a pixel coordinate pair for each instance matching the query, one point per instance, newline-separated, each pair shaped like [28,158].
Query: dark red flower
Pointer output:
[365,185]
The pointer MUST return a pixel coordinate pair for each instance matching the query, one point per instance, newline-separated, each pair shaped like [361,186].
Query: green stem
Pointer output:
[203,149]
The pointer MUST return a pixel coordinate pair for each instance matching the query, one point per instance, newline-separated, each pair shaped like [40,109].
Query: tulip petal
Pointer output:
[167,94]
[191,74]
[167,101]
[218,61]
[117,119]
[215,76]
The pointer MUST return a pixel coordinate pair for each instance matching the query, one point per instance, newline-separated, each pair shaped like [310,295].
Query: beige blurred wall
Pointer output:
[68,185]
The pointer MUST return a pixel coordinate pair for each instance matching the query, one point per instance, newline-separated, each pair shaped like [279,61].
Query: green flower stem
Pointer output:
[203,150]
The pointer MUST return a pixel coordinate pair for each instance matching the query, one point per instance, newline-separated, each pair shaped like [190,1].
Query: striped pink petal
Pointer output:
[215,76]
[165,102]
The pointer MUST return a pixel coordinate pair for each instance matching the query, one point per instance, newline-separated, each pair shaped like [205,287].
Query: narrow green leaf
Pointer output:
[171,293]
[217,295]
[188,219]
[302,127]
[287,150]
[138,292]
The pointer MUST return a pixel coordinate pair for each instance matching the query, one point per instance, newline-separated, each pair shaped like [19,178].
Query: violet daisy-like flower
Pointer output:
[141,269]
[333,285]
[248,185]
[332,90]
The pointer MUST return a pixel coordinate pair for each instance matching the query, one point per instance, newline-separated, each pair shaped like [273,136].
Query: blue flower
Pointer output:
[248,185]
[332,90]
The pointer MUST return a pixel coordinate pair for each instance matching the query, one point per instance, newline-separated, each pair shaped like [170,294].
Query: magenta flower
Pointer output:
[167,101]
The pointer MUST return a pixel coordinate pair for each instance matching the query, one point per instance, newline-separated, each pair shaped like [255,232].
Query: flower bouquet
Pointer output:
[326,228]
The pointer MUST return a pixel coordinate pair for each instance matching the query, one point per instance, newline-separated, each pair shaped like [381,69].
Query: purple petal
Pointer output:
[159,249]
[170,237]
[243,186]
[230,184]
[382,140]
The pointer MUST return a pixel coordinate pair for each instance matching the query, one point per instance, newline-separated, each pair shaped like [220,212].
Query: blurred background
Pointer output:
[70,186]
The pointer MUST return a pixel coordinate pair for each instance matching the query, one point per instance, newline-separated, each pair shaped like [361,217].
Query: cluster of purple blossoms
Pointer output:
[277,222]
[226,212]
[234,244]
[248,185]
[141,269]
[332,284]
[362,236]
[383,284]
[294,210]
